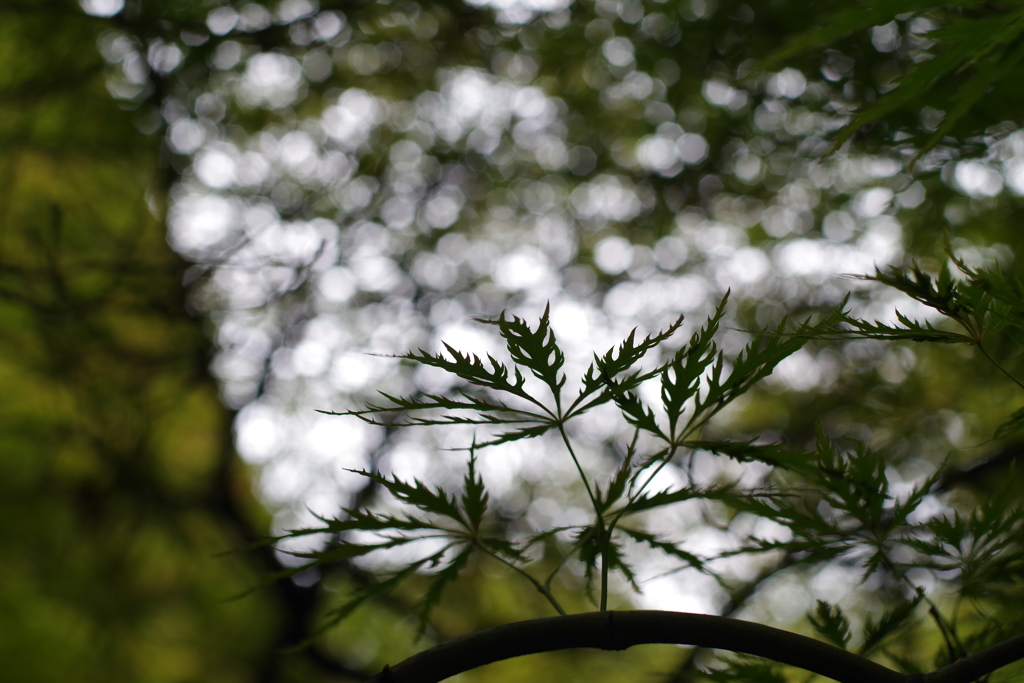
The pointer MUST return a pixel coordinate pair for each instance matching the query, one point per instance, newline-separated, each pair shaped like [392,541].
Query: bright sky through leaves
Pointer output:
[384,218]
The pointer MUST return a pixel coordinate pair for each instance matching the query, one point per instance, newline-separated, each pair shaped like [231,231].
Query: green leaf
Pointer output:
[776,455]
[912,86]
[360,596]
[942,294]
[986,44]
[437,501]
[364,520]
[474,495]
[1007,306]
[849,20]
[501,546]
[847,505]
[494,375]
[830,622]
[629,352]
[436,402]
[1001,285]
[680,379]
[892,622]
[966,305]
[650,501]
[517,434]
[996,66]
[597,547]
[589,548]
[975,42]
[491,412]
[634,410]
[615,362]
[911,331]
[617,486]
[338,552]
[1014,424]
[669,548]
[984,547]
[441,581]
[533,349]
[753,364]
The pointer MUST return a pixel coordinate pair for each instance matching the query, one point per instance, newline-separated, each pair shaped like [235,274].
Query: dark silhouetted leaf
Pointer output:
[830,622]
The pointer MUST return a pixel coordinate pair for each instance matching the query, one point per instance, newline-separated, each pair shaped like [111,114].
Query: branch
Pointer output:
[620,630]
[977,665]
[973,473]
[737,600]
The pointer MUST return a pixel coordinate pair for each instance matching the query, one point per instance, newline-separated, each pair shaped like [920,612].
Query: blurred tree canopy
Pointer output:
[212,210]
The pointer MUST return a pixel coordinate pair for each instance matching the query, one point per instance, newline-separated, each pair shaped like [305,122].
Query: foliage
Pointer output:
[836,503]
[116,486]
[977,49]
[598,545]
[305,167]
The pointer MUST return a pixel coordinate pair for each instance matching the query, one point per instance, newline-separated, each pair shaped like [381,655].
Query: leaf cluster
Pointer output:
[973,47]
[836,503]
[983,548]
[981,305]
[697,381]
[848,509]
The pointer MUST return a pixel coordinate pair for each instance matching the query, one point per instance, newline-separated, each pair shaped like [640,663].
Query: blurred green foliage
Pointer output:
[119,483]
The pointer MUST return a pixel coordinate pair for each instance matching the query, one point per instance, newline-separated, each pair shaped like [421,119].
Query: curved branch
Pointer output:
[737,600]
[620,630]
[979,664]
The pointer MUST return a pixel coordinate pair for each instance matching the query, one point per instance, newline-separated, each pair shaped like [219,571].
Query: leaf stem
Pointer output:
[541,588]
[579,468]
[1001,368]
[604,570]
[948,631]
[605,536]
[636,494]
[554,572]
